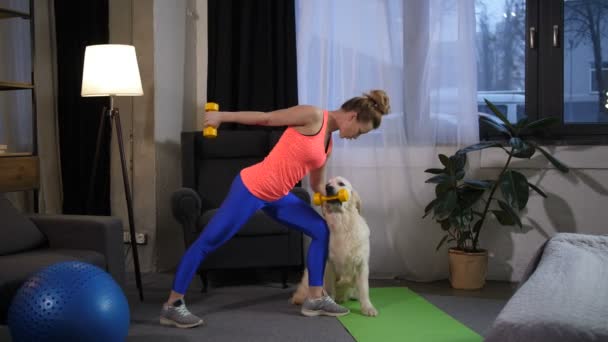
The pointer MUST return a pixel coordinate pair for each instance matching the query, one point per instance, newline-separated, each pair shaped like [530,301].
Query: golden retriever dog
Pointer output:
[347,269]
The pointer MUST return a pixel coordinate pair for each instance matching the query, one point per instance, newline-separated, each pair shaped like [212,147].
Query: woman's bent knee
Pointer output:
[320,232]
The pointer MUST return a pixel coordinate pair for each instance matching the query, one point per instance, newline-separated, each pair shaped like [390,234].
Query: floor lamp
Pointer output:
[112,70]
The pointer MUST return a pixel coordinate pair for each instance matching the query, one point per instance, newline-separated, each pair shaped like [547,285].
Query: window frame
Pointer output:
[591,78]
[544,83]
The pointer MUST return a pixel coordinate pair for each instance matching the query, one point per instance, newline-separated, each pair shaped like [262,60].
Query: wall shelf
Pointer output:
[15,154]
[6,13]
[20,170]
[4,85]
[19,173]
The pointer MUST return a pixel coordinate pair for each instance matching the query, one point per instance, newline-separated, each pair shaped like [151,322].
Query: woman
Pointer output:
[303,148]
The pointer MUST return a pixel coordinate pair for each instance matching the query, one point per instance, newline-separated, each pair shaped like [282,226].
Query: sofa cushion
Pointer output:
[17,268]
[215,178]
[17,233]
[274,137]
[233,144]
[258,224]
[265,251]
[221,159]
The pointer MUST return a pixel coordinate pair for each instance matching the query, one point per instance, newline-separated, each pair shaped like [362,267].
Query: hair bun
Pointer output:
[380,100]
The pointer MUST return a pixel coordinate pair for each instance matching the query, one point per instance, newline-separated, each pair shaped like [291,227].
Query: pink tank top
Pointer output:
[293,156]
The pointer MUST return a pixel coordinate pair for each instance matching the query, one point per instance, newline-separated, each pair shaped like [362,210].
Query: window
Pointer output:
[593,78]
[501,56]
[539,59]
[585,30]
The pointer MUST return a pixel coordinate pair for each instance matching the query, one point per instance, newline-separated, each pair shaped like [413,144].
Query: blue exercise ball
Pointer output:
[69,301]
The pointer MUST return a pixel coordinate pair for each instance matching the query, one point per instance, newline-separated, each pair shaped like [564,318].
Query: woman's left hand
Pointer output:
[213,119]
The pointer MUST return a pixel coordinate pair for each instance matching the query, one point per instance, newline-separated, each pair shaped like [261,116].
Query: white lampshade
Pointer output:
[110,69]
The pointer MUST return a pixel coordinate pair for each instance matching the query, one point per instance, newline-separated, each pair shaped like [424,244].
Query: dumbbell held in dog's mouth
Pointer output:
[341,196]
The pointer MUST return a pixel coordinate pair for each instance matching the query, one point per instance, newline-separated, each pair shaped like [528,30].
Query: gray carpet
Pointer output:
[261,312]
[258,312]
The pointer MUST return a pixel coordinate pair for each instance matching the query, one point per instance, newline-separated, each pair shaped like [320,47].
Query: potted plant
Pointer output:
[462,205]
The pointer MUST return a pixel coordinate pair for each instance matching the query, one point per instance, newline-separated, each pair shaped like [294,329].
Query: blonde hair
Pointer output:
[369,107]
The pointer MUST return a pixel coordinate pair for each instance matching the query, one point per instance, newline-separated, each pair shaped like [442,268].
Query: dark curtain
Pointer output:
[252,55]
[78,24]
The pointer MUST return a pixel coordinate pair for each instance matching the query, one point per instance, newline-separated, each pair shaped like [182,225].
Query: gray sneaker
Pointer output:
[323,306]
[178,315]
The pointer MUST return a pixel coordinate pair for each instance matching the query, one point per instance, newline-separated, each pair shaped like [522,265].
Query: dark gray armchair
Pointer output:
[28,243]
[208,168]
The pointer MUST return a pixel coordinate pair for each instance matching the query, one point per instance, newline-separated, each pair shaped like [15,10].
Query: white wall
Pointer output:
[131,23]
[170,40]
[576,202]
[169,108]
[175,49]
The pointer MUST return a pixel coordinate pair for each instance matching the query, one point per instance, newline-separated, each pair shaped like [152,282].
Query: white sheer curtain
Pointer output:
[423,54]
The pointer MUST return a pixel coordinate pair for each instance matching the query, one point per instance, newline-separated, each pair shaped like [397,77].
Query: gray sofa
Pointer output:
[208,168]
[563,295]
[29,243]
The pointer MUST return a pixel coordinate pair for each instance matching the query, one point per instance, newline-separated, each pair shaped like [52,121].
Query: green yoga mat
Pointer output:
[404,316]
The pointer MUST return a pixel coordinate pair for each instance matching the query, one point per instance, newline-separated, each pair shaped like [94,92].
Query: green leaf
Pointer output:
[429,207]
[521,123]
[514,187]
[458,219]
[459,175]
[444,160]
[525,153]
[516,143]
[479,146]
[540,123]
[441,243]
[503,217]
[553,160]
[459,161]
[479,184]
[521,149]
[507,208]
[442,188]
[496,125]
[435,171]
[470,196]
[464,236]
[477,227]
[438,179]
[535,188]
[500,115]
[445,205]
[445,224]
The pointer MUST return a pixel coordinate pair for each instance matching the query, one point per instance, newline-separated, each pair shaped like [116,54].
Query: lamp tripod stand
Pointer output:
[112,70]
[114,115]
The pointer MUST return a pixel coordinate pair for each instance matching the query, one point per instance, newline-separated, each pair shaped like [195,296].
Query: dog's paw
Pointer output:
[298,297]
[369,311]
[296,300]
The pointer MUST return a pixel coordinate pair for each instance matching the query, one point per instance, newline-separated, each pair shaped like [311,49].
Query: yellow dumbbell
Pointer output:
[342,196]
[210,131]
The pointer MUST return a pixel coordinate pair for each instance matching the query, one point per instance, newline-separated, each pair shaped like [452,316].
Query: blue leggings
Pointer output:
[235,211]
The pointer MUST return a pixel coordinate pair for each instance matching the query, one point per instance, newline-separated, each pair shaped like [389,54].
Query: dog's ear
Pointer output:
[356,200]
